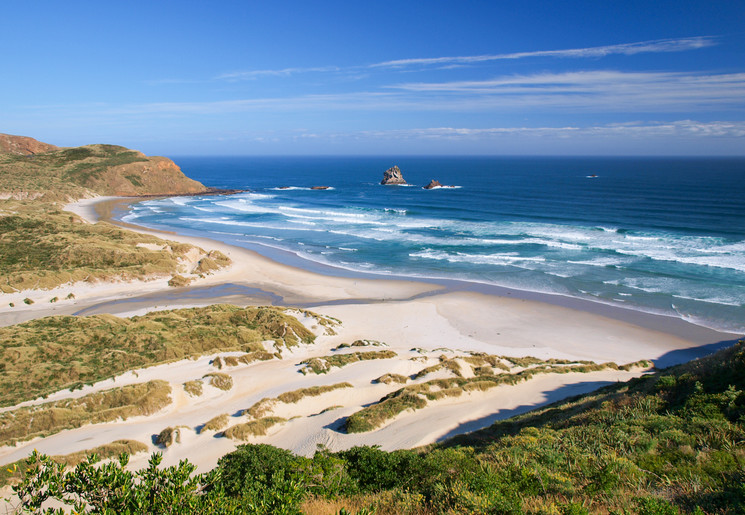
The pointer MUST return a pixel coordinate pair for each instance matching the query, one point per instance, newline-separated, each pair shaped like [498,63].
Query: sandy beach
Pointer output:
[421,322]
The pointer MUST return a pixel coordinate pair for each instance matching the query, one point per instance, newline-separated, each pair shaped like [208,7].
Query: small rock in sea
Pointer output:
[319,187]
[433,184]
[393,176]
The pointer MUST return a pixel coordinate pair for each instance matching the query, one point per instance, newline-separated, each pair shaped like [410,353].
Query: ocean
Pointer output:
[660,235]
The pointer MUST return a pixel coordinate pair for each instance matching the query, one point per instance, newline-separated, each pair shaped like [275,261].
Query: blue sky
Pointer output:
[385,77]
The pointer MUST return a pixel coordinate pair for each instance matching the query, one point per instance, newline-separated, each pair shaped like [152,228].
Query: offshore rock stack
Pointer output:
[393,176]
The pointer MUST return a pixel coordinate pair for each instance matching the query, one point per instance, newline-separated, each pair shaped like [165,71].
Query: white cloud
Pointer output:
[656,46]
[599,90]
[284,72]
[674,129]
[660,45]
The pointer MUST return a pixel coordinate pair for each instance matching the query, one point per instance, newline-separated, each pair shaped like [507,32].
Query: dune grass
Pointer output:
[266,405]
[26,423]
[46,355]
[219,380]
[169,436]
[194,388]
[253,428]
[416,396]
[391,378]
[216,423]
[323,364]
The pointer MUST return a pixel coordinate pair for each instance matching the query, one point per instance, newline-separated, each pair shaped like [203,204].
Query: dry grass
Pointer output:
[169,436]
[391,378]
[254,428]
[448,364]
[219,380]
[13,472]
[46,355]
[267,404]
[118,403]
[193,388]
[216,423]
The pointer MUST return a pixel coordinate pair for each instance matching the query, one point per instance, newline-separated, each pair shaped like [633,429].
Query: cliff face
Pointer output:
[23,145]
[29,167]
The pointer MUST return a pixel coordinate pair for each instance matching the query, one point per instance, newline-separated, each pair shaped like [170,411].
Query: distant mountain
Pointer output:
[30,169]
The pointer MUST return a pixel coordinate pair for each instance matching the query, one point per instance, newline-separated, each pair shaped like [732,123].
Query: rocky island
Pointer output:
[435,184]
[393,176]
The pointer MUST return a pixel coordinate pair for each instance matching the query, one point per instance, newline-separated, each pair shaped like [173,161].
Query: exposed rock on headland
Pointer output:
[393,176]
[23,145]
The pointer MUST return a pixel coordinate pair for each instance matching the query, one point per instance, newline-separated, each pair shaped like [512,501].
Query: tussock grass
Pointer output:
[267,404]
[13,472]
[193,388]
[169,436]
[361,343]
[258,355]
[254,428]
[179,281]
[449,364]
[117,403]
[416,396]
[216,423]
[322,365]
[219,380]
[391,378]
[46,355]
[481,359]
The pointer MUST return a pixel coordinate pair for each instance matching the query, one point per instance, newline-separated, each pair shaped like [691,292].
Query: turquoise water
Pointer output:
[654,234]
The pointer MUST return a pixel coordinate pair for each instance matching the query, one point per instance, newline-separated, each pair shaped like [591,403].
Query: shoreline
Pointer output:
[669,324]
[422,322]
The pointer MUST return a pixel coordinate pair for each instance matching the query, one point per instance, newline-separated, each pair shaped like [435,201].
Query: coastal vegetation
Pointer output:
[323,364]
[43,247]
[43,356]
[41,420]
[416,396]
[266,405]
[669,442]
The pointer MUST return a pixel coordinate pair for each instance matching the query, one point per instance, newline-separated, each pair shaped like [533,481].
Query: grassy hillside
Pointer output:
[59,174]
